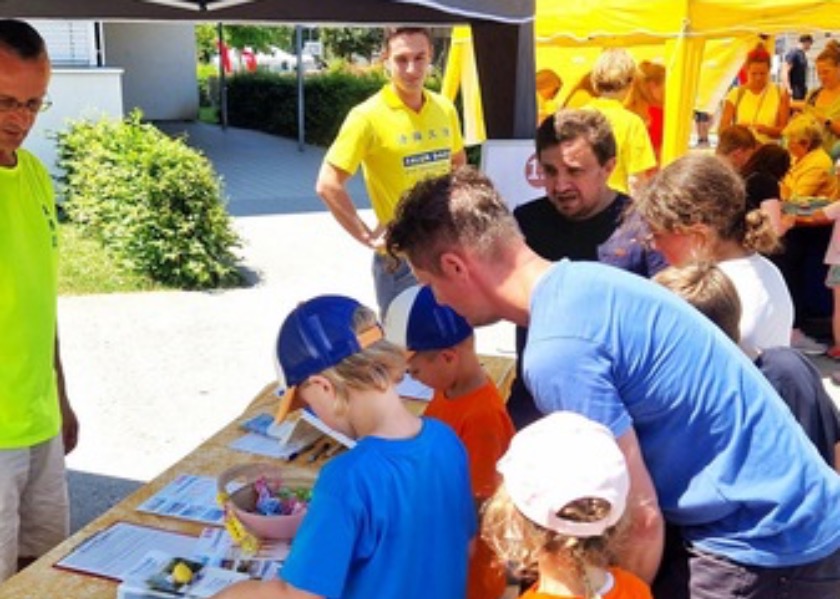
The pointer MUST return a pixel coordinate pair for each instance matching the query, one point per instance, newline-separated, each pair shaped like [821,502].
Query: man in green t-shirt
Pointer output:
[37,424]
[400,135]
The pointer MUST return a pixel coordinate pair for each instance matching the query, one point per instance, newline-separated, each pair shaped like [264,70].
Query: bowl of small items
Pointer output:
[267,500]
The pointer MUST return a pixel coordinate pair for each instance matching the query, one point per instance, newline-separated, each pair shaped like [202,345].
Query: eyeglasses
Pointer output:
[34,106]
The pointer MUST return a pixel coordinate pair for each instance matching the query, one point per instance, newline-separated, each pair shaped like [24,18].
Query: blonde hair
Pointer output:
[377,366]
[640,98]
[703,189]
[613,71]
[805,127]
[521,543]
[710,290]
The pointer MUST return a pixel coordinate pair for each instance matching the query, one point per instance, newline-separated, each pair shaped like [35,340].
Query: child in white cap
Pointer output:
[393,517]
[442,355]
[559,511]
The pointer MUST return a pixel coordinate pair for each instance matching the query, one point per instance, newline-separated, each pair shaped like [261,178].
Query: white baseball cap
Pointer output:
[559,459]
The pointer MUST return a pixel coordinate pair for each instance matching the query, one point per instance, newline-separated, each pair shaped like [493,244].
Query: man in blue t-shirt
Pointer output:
[709,444]
[795,68]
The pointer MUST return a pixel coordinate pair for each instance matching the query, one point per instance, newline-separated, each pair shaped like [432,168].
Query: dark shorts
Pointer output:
[688,573]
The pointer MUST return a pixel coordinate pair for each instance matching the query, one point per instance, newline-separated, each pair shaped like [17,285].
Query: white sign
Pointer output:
[511,164]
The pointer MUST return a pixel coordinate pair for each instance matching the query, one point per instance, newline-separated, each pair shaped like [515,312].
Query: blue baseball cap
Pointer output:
[317,335]
[417,322]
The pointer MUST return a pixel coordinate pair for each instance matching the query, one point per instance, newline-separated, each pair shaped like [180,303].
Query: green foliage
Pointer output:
[152,201]
[87,267]
[205,41]
[344,42]
[204,73]
[259,38]
[268,102]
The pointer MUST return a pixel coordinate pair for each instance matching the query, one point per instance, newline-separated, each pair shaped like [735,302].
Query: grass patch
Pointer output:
[208,114]
[85,267]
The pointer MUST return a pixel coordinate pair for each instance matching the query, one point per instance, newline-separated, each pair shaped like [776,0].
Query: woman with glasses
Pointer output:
[696,211]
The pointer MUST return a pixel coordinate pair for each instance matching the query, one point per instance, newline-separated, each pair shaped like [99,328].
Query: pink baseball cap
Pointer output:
[559,459]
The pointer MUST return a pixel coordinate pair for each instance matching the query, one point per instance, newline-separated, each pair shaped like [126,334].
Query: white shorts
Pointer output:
[34,504]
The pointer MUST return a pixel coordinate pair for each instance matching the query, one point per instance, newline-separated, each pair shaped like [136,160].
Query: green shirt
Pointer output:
[29,410]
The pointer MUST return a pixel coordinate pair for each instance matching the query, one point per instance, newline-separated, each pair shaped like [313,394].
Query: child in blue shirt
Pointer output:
[393,517]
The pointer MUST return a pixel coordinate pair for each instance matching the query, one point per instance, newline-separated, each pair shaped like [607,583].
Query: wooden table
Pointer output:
[42,581]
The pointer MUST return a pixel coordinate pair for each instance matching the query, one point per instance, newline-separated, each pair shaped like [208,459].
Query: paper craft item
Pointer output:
[111,552]
[161,575]
[188,497]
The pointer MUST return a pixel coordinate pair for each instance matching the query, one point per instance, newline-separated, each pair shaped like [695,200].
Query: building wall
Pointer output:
[159,61]
[78,88]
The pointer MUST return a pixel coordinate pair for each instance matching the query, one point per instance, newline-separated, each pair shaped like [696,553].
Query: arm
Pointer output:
[786,75]
[272,589]
[69,422]
[459,158]
[332,188]
[772,207]
[643,551]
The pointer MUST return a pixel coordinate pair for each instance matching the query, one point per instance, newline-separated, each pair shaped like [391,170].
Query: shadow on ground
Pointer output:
[94,494]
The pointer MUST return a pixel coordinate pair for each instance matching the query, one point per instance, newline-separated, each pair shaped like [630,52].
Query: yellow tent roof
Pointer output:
[700,42]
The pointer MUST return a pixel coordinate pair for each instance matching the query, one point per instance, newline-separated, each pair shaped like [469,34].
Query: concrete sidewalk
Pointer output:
[152,375]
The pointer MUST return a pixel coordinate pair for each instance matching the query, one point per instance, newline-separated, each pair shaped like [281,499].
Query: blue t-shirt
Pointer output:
[730,465]
[390,519]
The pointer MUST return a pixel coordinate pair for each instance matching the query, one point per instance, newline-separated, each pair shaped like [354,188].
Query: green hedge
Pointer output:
[268,102]
[152,201]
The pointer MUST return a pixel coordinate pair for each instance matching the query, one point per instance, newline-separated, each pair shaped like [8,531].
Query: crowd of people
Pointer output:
[662,439]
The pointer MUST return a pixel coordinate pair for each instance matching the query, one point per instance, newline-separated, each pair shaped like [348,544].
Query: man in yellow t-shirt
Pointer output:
[37,425]
[401,135]
[611,77]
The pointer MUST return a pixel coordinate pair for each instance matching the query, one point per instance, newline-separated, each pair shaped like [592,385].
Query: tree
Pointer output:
[344,42]
[257,37]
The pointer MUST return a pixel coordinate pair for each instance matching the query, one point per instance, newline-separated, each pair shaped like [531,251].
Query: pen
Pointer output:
[291,457]
[334,450]
[319,452]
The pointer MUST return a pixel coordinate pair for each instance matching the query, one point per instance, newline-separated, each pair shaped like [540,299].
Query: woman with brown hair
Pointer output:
[759,103]
[696,211]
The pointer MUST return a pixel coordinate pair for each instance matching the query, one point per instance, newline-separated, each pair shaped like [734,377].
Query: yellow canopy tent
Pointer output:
[697,41]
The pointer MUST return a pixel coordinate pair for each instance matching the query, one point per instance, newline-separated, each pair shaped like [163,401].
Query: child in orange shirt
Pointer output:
[442,355]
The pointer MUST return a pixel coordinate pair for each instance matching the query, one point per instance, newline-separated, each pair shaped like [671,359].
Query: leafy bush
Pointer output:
[153,201]
[205,73]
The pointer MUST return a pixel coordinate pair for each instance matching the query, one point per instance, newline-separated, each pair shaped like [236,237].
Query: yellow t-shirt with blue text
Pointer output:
[396,146]
[634,151]
[29,410]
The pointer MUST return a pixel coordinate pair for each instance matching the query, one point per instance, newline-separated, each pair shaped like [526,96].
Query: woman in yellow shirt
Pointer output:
[759,103]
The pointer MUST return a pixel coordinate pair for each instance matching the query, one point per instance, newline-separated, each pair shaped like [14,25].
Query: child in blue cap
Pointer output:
[392,518]
[441,354]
